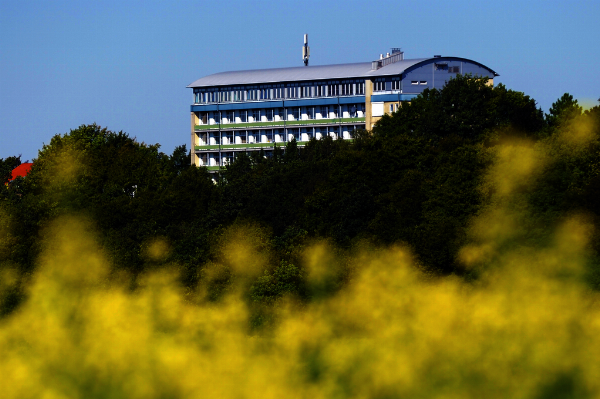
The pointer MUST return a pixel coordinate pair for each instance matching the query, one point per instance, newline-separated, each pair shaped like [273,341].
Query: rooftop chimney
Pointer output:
[397,55]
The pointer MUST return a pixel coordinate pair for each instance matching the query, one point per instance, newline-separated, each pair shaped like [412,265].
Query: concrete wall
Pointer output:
[195,160]
[368,111]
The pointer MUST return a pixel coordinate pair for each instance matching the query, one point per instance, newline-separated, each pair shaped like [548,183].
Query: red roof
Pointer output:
[21,170]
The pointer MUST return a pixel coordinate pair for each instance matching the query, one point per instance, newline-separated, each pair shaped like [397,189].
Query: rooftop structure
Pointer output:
[257,109]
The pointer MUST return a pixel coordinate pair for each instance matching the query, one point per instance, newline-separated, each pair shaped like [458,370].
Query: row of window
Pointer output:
[382,85]
[275,135]
[282,114]
[279,91]
[444,67]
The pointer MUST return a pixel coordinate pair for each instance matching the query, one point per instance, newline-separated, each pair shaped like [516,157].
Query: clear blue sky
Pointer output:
[125,64]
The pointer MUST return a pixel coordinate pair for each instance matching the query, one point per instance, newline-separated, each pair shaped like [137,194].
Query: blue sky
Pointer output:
[125,64]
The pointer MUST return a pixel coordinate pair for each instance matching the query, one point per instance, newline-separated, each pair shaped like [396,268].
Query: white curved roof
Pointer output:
[304,73]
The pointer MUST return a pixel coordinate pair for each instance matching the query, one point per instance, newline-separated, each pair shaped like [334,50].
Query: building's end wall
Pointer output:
[195,159]
[429,76]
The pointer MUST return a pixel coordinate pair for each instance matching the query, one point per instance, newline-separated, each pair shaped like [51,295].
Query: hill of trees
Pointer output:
[419,178]
[454,250]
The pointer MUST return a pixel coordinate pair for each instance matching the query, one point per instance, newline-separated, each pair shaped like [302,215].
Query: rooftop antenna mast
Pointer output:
[305,50]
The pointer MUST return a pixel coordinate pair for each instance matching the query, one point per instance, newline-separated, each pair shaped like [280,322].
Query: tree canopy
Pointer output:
[467,107]
[419,178]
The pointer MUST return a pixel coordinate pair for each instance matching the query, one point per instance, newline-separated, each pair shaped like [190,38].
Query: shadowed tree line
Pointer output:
[417,178]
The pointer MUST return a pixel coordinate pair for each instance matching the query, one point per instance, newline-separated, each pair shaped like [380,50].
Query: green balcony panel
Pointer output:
[249,145]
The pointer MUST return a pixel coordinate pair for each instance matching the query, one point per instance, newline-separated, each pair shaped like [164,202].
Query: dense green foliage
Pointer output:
[466,107]
[418,178]
[6,166]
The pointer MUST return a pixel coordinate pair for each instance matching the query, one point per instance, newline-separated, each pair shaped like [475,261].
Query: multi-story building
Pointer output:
[258,109]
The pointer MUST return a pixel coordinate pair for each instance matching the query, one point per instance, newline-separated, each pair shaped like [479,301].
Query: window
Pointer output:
[334,111]
[352,111]
[454,69]
[217,117]
[293,134]
[296,113]
[441,67]
[360,88]
[414,82]
[227,138]
[229,116]
[423,82]
[203,138]
[305,134]
[255,115]
[346,89]
[379,86]
[279,135]
[269,115]
[280,114]
[396,84]
[227,158]
[310,112]
[324,112]
[243,116]
[333,132]
[332,90]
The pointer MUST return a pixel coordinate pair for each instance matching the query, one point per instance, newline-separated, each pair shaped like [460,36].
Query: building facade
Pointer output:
[255,110]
